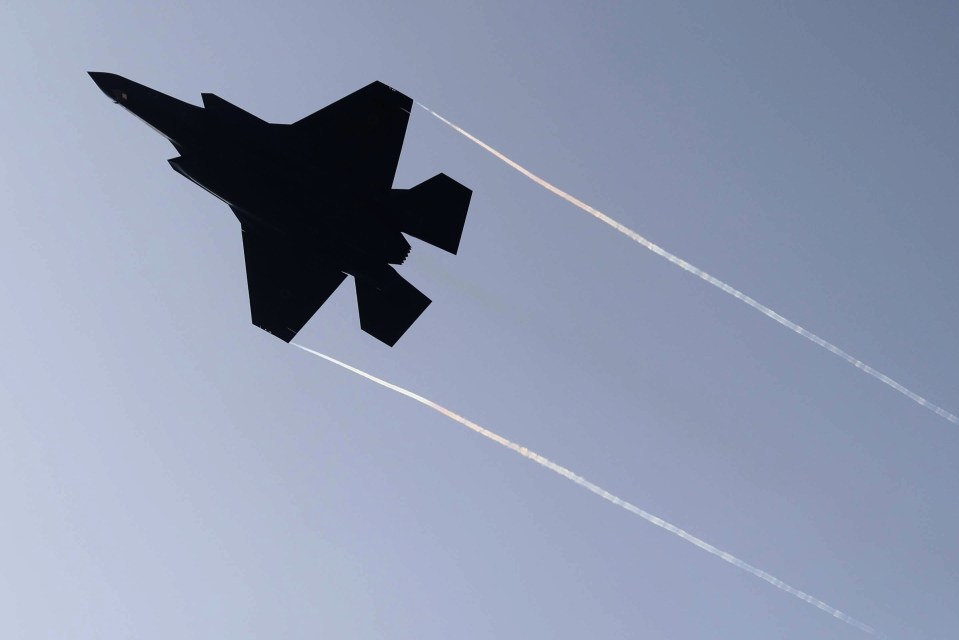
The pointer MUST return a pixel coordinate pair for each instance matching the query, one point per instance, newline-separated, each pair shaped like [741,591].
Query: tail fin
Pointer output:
[434,211]
[388,307]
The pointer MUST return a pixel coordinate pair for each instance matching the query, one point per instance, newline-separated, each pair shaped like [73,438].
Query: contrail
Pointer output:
[583,482]
[696,271]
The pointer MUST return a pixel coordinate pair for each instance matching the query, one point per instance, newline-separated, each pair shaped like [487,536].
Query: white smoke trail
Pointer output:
[696,271]
[566,473]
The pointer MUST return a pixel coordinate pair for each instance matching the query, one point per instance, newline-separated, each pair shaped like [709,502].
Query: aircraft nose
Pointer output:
[110,84]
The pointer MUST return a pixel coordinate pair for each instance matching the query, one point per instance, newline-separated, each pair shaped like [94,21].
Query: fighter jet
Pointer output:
[315,199]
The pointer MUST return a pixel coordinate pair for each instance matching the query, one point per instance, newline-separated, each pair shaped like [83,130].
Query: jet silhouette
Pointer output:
[314,199]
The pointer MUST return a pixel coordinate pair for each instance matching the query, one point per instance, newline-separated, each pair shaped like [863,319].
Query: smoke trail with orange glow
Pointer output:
[586,484]
[696,271]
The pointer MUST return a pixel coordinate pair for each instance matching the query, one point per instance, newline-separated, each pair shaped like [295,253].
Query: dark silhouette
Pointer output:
[314,199]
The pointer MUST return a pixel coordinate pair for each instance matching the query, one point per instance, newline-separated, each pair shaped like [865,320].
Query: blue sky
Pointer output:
[169,470]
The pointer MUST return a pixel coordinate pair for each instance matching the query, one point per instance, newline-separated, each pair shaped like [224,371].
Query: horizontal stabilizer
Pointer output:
[389,307]
[434,211]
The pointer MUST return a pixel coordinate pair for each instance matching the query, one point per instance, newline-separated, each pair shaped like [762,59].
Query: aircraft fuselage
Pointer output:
[260,170]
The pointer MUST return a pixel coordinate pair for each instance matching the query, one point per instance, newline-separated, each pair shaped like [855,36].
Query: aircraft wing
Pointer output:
[286,288]
[359,137]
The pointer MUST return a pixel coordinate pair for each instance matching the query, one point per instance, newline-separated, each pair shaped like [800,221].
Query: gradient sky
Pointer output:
[167,470]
